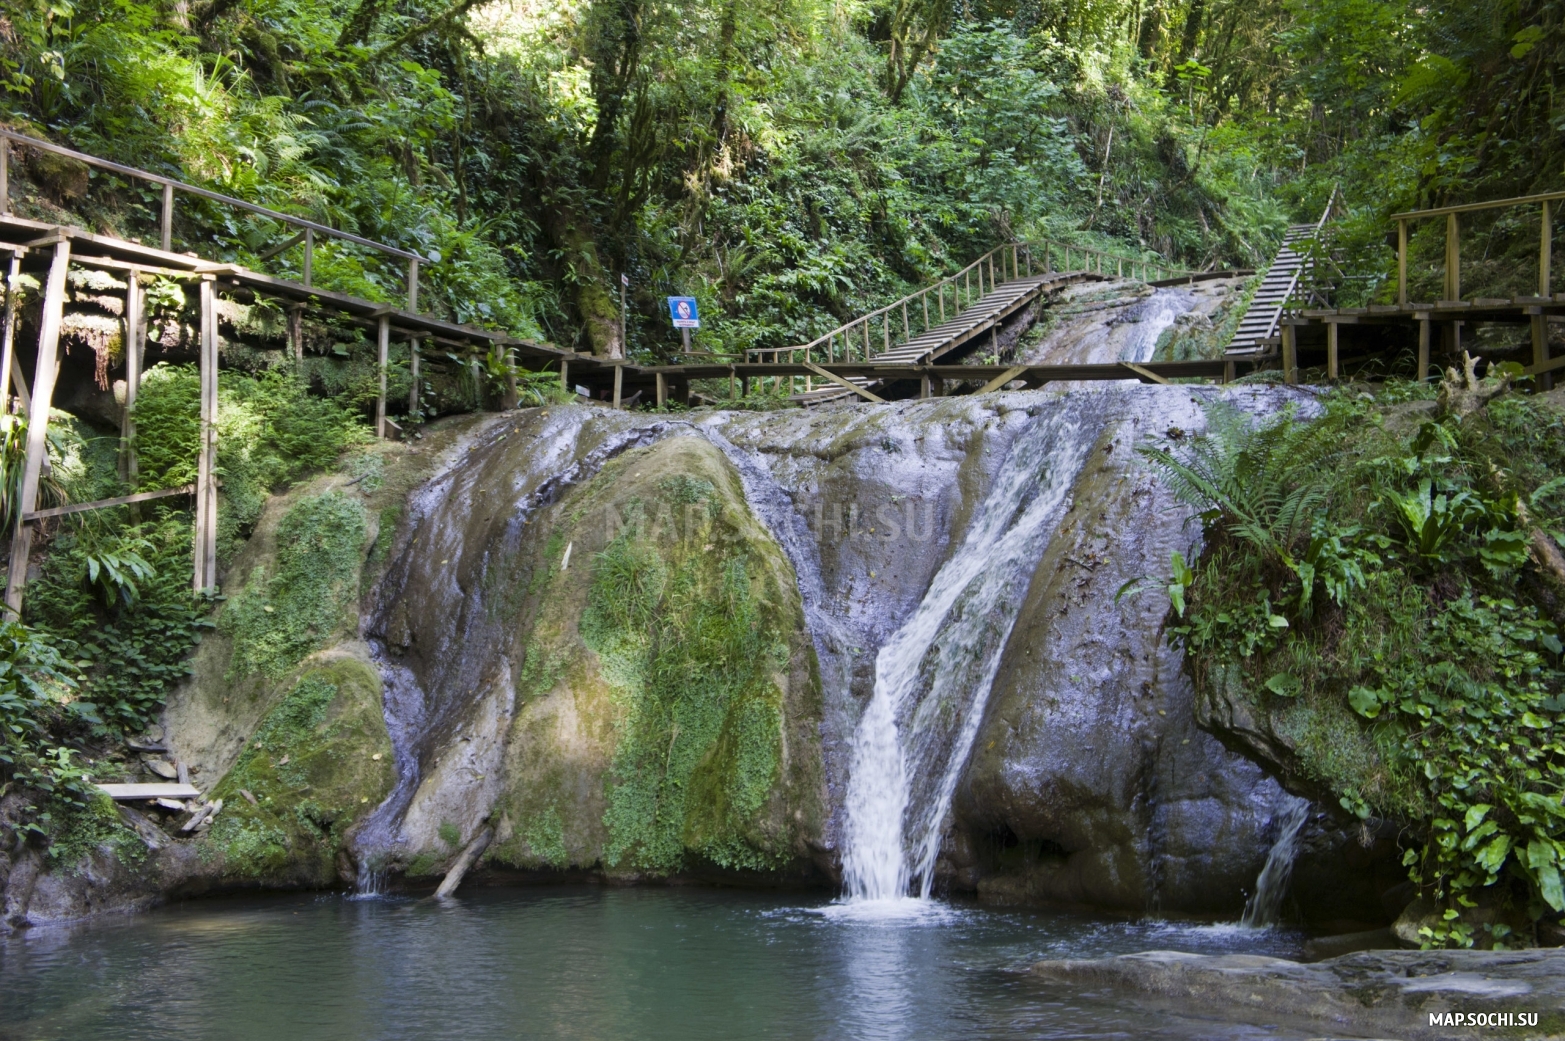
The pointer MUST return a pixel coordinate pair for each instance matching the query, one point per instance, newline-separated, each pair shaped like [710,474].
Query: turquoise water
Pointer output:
[587,964]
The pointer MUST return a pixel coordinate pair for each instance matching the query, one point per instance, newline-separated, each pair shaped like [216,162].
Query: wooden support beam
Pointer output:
[167,221]
[1331,350]
[512,396]
[662,390]
[382,352]
[840,381]
[1001,380]
[1546,250]
[619,383]
[1423,349]
[135,346]
[8,330]
[296,335]
[415,413]
[205,570]
[1545,367]
[924,390]
[1290,354]
[103,504]
[565,375]
[1140,370]
[1453,258]
[38,426]
[1540,350]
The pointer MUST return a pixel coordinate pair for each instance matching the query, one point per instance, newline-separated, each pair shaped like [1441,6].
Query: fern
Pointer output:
[1261,482]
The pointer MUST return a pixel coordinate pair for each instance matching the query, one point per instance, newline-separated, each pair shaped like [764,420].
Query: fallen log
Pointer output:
[470,855]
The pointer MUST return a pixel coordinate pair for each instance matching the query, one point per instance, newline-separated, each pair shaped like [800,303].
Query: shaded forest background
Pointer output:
[788,162]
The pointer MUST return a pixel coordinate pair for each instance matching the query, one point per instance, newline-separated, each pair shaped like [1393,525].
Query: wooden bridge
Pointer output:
[954,316]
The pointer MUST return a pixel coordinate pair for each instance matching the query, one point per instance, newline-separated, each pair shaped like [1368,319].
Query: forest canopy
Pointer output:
[788,162]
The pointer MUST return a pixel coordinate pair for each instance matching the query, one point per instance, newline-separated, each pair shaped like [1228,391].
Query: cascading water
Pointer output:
[933,677]
[1152,317]
[1265,907]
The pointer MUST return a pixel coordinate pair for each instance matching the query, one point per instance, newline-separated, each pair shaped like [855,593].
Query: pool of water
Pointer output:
[591,964]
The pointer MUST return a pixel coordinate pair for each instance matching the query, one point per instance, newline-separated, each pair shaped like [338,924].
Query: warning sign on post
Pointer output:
[683,310]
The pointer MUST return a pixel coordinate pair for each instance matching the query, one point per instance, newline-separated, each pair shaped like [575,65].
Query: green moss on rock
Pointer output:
[320,760]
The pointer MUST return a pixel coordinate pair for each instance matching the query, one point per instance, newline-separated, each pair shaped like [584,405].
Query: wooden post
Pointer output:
[1331,350]
[296,336]
[1290,361]
[309,256]
[8,331]
[1540,345]
[924,391]
[942,291]
[415,414]
[382,350]
[662,391]
[619,378]
[205,577]
[1423,349]
[135,344]
[1546,251]
[512,397]
[1402,263]
[5,176]
[907,333]
[924,296]
[413,286]
[1453,258]
[38,425]
[730,383]
[865,324]
[885,331]
[565,375]
[168,217]
[1230,371]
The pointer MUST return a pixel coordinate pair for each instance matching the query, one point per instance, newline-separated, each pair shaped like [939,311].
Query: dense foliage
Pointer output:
[1380,587]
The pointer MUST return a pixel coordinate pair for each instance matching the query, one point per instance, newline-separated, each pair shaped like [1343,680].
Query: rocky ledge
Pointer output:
[1384,994]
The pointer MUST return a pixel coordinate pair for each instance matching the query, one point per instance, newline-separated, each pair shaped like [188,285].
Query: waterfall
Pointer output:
[1153,316]
[933,676]
[1264,908]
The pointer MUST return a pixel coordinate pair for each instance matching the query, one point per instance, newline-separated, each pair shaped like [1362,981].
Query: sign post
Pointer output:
[682,309]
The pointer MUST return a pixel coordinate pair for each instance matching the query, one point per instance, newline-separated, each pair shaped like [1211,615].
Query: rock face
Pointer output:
[639,645]
[1402,994]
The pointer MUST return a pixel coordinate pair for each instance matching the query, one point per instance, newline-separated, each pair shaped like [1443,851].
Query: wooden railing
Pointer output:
[308,229]
[856,340]
[1453,243]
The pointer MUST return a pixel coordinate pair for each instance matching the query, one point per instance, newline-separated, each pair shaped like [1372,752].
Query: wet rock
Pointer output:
[1403,994]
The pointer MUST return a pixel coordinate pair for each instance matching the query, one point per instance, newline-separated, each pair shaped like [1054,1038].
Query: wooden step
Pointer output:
[134,792]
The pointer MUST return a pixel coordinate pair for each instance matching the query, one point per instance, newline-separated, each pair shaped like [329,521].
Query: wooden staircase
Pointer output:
[1257,332]
[985,316]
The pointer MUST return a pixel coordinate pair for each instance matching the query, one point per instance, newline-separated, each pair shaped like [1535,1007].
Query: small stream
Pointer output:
[586,963]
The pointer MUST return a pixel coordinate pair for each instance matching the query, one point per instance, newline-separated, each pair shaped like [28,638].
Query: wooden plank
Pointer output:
[382,350]
[135,346]
[1143,371]
[1545,366]
[133,792]
[1331,350]
[205,563]
[103,504]
[8,329]
[38,428]
[840,381]
[1520,200]
[1001,380]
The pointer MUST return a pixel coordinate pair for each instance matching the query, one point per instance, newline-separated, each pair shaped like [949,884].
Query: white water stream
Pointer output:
[933,676]
[1265,907]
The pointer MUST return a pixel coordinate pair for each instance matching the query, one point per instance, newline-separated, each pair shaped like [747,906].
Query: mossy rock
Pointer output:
[320,760]
[667,707]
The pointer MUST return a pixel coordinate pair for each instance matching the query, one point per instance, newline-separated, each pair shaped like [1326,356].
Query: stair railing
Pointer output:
[855,340]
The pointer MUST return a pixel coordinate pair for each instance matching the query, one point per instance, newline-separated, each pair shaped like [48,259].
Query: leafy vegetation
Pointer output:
[1380,587]
[275,620]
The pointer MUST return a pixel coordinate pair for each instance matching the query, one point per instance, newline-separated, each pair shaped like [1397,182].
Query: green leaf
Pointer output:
[1476,814]
[1492,856]
[1284,685]
[1365,701]
[1277,621]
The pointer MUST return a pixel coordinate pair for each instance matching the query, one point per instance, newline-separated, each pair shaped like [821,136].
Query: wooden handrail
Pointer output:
[1453,240]
[308,228]
[858,329]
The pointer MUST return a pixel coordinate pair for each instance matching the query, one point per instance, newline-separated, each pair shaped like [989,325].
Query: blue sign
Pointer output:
[683,310]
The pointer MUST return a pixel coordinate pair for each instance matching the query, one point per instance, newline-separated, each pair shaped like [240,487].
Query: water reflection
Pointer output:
[584,964]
